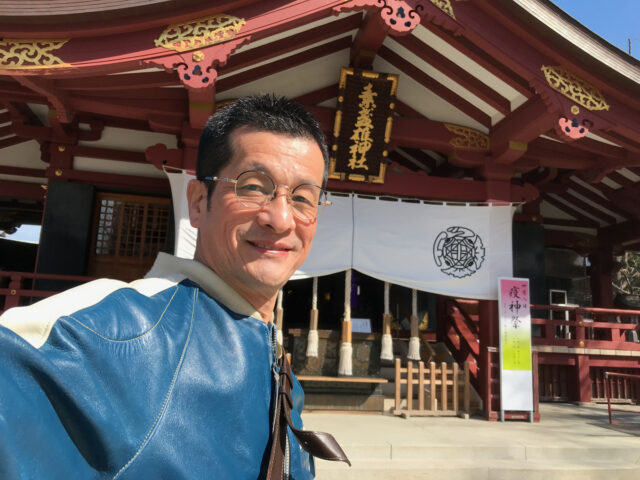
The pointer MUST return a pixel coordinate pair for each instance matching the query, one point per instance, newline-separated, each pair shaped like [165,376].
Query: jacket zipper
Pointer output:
[276,375]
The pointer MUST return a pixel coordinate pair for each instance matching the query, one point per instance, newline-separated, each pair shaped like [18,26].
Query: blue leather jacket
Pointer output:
[168,377]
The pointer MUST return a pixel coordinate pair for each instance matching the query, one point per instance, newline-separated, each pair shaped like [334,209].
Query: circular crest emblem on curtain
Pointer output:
[458,252]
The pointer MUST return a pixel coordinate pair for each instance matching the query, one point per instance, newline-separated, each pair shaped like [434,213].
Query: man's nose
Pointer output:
[278,213]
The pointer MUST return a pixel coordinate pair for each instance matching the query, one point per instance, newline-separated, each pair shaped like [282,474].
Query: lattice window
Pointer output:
[129,231]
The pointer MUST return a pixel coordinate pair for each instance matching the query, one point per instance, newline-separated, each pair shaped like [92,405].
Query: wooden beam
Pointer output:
[589,145]
[621,233]
[511,136]
[84,20]
[107,153]
[455,73]
[9,142]
[422,157]
[368,40]
[581,242]
[420,185]
[23,172]
[318,96]
[22,113]
[588,208]
[586,221]
[112,180]
[289,44]
[621,140]
[594,197]
[514,41]
[55,97]
[447,170]
[126,81]
[11,189]
[412,132]
[482,58]
[398,159]
[547,155]
[622,198]
[132,108]
[435,86]
[227,83]
[621,180]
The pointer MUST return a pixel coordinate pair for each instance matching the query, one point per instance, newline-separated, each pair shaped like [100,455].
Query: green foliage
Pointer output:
[627,279]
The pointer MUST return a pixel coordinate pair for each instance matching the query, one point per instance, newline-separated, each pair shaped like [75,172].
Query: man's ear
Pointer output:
[197,201]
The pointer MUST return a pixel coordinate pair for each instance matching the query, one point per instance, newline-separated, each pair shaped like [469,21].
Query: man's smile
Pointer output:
[272,248]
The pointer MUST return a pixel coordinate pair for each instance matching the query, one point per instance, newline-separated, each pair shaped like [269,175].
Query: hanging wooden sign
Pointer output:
[362,126]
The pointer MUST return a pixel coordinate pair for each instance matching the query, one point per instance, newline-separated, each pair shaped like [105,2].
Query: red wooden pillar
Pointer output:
[488,333]
[601,275]
[582,379]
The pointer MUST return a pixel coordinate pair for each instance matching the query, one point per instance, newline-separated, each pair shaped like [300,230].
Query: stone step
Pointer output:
[477,470]
[433,452]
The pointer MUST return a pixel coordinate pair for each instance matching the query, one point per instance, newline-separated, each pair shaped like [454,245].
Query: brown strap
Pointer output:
[318,444]
[275,471]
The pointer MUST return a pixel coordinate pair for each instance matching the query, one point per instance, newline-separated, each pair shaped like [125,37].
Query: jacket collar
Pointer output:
[177,269]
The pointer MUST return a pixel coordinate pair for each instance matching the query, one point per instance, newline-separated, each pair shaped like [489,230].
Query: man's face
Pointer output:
[256,251]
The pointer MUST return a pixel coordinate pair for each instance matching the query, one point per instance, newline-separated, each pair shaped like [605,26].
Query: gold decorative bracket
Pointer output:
[445,6]
[22,54]
[468,138]
[574,88]
[199,33]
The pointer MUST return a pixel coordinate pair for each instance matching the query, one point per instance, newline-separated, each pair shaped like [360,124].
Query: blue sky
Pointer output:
[616,21]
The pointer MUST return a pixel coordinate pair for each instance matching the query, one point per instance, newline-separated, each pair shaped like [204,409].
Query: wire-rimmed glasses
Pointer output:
[255,189]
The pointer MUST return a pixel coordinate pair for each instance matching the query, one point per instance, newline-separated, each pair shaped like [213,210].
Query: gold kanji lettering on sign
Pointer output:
[361,136]
[362,128]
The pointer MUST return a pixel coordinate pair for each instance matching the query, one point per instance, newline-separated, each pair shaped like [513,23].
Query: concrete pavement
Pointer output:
[570,442]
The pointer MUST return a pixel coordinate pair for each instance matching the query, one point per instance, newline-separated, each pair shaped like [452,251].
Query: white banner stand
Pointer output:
[516,372]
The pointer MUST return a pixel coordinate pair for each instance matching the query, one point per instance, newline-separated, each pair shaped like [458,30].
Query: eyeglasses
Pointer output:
[255,189]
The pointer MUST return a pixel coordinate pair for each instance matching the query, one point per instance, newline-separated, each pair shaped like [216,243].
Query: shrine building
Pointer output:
[470,140]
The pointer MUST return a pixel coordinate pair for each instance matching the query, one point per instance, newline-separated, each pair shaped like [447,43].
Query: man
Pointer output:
[174,376]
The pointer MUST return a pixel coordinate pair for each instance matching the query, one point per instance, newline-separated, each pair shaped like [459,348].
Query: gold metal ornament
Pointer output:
[468,138]
[200,32]
[25,53]
[445,6]
[574,87]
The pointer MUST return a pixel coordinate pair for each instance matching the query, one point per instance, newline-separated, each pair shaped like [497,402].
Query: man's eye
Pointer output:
[302,200]
[252,189]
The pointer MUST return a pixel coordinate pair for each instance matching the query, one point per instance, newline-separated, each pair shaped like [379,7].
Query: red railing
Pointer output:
[461,335]
[601,328]
[609,386]
[17,288]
